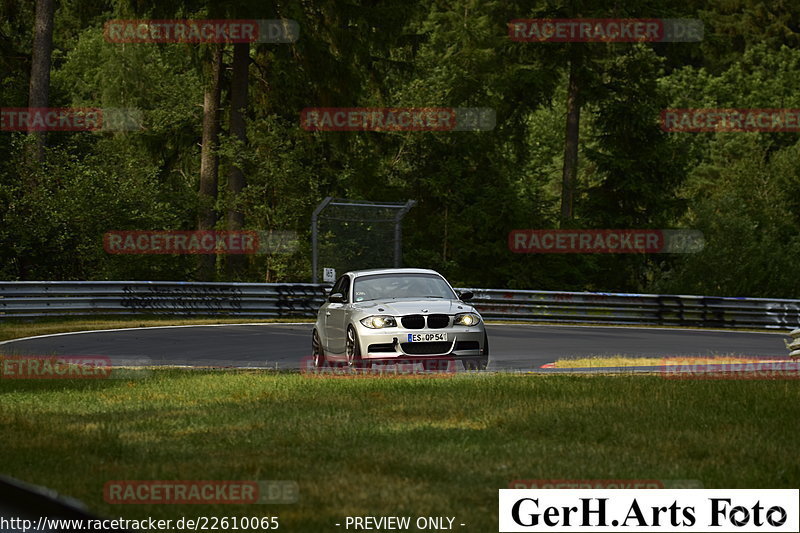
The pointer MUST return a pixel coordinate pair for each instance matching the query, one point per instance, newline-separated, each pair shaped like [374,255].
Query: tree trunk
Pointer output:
[236,180]
[39,88]
[570,170]
[209,160]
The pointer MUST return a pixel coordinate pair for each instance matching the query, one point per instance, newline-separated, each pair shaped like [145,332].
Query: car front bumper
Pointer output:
[392,344]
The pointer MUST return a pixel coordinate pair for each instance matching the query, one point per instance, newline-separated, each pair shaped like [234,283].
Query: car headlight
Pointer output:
[466,319]
[379,322]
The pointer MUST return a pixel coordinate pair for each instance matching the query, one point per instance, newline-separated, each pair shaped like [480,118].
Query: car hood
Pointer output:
[401,307]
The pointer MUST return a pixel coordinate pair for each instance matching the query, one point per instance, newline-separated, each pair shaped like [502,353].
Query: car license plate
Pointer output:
[426,337]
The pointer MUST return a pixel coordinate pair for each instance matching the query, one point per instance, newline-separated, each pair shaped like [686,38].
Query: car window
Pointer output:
[389,286]
[345,288]
[337,287]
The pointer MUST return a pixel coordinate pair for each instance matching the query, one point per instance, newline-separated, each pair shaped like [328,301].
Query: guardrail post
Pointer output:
[398,232]
[314,237]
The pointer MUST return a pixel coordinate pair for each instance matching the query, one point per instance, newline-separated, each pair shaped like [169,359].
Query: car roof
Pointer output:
[372,271]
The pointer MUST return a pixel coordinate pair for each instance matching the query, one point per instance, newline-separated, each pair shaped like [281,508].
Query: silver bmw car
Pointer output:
[398,315]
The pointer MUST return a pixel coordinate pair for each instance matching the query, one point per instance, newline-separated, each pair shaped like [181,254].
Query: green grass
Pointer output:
[17,329]
[383,446]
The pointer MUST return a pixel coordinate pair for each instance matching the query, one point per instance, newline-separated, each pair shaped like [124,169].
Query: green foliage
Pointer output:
[744,199]
[55,230]
[742,189]
[472,188]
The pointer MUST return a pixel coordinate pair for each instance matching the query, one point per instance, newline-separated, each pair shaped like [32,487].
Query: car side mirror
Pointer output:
[336,298]
[465,296]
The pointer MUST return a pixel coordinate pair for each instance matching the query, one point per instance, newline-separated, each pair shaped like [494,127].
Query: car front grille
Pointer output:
[413,321]
[418,321]
[426,348]
[438,321]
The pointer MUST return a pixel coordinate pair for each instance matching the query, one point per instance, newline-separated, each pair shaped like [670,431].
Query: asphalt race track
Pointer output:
[284,346]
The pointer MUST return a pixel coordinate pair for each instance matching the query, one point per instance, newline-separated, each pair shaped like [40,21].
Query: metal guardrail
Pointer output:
[29,299]
[643,309]
[62,298]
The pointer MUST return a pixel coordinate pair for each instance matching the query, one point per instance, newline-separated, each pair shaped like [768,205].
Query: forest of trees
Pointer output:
[222,147]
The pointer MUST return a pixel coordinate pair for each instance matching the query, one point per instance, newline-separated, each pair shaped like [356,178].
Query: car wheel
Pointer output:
[436,365]
[354,351]
[429,365]
[316,350]
[478,363]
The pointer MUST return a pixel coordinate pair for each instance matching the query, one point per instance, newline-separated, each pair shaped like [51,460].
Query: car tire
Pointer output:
[353,351]
[476,363]
[317,352]
[435,365]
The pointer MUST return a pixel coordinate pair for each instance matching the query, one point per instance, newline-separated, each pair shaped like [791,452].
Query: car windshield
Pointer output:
[389,286]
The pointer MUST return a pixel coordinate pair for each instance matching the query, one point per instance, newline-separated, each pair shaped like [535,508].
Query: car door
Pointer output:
[336,318]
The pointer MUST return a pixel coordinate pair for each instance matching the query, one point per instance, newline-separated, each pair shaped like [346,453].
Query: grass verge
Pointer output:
[418,447]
